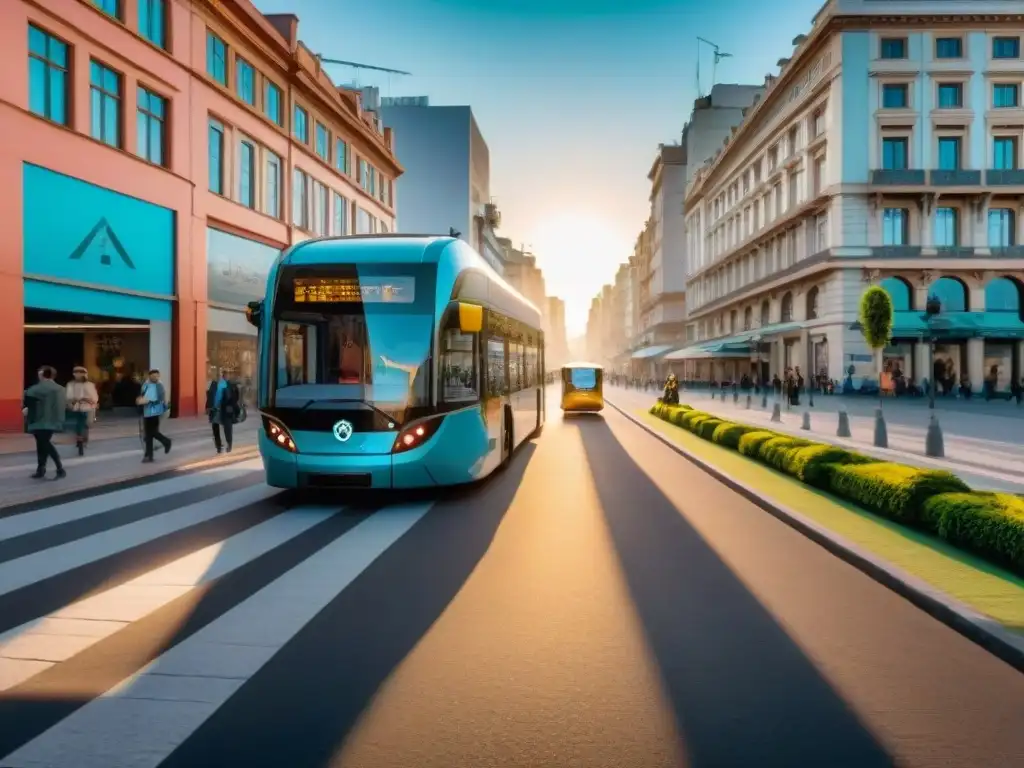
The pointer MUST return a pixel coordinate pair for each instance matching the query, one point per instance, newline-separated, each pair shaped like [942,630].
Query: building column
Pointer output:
[976,363]
[12,289]
[922,366]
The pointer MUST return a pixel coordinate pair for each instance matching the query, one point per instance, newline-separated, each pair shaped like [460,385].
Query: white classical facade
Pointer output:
[886,151]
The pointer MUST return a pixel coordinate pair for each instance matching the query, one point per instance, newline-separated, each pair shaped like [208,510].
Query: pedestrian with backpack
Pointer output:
[153,401]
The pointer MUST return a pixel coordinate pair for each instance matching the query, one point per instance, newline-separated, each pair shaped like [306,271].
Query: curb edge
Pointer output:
[975,626]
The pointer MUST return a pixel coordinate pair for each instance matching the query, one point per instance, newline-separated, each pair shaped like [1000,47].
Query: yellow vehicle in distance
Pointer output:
[582,388]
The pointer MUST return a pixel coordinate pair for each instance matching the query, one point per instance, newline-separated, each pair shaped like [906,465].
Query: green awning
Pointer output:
[959,325]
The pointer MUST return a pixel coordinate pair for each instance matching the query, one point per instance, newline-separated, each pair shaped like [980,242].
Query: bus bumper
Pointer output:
[343,471]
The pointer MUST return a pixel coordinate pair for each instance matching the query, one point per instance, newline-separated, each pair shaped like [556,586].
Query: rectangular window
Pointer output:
[340,209]
[321,215]
[894,48]
[949,48]
[363,174]
[1002,228]
[894,153]
[113,7]
[272,102]
[819,122]
[150,138]
[323,142]
[341,155]
[1005,95]
[245,81]
[105,96]
[460,383]
[1004,153]
[300,127]
[951,95]
[895,226]
[372,181]
[300,199]
[895,95]
[215,134]
[364,225]
[216,58]
[247,174]
[47,76]
[949,153]
[947,227]
[272,191]
[152,25]
[1006,48]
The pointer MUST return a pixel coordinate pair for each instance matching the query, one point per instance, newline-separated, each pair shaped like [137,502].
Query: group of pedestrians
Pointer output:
[49,408]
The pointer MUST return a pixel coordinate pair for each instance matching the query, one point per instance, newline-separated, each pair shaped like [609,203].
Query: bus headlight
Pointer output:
[415,435]
[279,434]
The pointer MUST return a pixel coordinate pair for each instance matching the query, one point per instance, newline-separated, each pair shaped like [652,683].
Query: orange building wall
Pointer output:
[180,77]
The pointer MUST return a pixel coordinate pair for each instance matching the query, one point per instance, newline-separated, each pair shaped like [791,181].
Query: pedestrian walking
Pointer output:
[223,407]
[153,400]
[45,409]
[82,401]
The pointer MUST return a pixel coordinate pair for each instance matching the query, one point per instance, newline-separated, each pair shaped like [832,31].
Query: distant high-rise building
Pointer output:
[446,182]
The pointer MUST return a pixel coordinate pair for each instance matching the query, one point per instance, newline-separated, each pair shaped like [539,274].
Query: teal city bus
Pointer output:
[393,361]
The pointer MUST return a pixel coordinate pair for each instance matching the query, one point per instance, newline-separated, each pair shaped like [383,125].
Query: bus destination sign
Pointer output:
[351,290]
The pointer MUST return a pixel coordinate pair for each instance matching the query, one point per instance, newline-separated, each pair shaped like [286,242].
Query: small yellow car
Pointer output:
[582,388]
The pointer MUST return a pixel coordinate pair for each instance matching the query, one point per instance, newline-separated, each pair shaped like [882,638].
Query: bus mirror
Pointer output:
[471,318]
[253,312]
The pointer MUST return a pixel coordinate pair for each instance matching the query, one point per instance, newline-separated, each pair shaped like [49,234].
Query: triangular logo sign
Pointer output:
[103,235]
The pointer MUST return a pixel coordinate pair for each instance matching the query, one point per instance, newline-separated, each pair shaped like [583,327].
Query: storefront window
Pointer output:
[237,355]
[236,268]
[999,364]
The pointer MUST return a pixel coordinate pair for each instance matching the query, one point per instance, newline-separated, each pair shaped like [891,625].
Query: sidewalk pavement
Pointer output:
[107,428]
[984,448]
[116,460]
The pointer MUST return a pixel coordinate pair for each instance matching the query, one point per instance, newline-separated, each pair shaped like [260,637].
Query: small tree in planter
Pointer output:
[876,325]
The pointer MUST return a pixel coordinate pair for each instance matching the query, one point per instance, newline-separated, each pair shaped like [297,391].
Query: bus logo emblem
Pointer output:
[343,430]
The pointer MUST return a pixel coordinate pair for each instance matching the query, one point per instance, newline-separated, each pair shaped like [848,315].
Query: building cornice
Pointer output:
[817,39]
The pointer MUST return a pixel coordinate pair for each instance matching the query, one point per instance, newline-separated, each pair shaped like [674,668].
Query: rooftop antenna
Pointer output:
[357,66]
[714,66]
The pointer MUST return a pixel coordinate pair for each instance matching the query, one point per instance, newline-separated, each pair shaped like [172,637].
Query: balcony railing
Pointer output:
[895,177]
[955,178]
[1004,177]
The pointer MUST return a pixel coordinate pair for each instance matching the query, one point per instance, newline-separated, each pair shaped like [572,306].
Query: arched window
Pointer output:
[732,322]
[900,293]
[1002,295]
[748,318]
[766,312]
[812,303]
[787,308]
[951,292]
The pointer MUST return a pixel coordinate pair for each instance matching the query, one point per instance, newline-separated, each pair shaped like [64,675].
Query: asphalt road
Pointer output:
[600,603]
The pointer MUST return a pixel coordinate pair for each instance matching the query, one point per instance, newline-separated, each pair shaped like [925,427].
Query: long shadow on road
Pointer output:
[743,692]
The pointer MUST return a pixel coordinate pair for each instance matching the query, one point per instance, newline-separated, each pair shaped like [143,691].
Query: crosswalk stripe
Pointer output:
[32,648]
[15,574]
[141,720]
[40,519]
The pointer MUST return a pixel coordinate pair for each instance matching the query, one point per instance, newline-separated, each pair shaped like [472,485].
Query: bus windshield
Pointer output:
[583,378]
[356,334]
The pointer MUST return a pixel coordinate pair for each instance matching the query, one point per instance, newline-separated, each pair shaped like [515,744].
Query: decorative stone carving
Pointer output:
[870,276]
[928,276]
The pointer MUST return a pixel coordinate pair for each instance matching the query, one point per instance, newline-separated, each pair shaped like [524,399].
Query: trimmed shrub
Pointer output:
[777,451]
[750,443]
[676,416]
[893,490]
[990,524]
[694,419]
[813,464]
[708,426]
[729,434]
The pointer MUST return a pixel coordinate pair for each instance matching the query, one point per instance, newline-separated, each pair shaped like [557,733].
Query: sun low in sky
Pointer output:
[575,249]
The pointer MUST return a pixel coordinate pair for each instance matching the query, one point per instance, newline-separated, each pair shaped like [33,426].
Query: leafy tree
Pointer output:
[876,326]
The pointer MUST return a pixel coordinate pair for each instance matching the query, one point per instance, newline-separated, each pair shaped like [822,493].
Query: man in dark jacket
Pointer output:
[45,409]
[223,406]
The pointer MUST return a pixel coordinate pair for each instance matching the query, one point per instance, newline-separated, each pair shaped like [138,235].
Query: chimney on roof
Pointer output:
[287,24]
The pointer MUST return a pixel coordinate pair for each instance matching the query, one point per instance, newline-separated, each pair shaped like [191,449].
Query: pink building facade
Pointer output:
[158,156]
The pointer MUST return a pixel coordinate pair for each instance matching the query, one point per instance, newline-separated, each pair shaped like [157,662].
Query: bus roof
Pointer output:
[419,249]
[588,366]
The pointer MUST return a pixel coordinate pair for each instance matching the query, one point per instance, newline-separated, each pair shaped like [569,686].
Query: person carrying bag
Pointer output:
[82,401]
[153,401]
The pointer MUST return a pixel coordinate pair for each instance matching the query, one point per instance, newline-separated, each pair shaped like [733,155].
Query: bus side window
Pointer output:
[496,366]
[460,379]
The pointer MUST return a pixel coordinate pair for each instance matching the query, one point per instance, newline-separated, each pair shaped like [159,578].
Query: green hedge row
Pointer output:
[988,524]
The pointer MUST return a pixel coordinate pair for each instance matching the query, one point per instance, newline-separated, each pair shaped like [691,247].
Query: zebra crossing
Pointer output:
[128,619]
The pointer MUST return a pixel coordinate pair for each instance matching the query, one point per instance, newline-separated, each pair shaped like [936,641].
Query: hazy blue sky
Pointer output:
[572,97]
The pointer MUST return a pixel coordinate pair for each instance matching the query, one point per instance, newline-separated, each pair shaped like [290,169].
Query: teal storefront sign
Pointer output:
[79,232]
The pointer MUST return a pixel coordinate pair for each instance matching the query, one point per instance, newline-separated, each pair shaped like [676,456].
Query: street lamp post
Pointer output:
[756,338]
[933,442]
